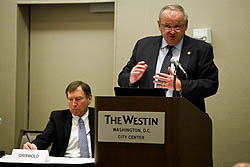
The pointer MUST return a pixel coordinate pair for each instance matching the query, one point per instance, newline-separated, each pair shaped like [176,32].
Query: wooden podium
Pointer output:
[188,135]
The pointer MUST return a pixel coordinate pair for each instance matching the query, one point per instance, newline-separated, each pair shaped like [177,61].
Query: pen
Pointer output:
[27,137]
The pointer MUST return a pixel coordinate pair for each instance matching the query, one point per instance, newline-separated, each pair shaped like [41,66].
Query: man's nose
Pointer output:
[74,102]
[172,31]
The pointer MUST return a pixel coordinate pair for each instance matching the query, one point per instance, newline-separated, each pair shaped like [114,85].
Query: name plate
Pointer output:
[30,155]
[131,127]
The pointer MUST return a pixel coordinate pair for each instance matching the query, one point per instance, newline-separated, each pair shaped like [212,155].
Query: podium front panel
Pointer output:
[181,147]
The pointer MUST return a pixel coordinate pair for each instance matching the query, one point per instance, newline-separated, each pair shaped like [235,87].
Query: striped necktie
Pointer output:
[84,150]
[166,61]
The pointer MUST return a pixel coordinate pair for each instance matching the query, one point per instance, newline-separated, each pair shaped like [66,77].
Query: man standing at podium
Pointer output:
[70,131]
[150,67]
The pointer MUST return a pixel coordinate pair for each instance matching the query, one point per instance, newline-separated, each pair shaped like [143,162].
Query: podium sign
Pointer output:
[131,127]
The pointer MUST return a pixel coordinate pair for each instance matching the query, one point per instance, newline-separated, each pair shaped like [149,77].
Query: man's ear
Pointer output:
[186,25]
[89,99]
[159,23]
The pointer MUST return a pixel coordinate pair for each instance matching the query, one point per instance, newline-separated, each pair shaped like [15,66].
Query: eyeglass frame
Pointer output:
[177,28]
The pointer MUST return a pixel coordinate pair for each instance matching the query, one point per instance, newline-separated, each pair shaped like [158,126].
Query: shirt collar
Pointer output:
[83,117]
[163,43]
[178,46]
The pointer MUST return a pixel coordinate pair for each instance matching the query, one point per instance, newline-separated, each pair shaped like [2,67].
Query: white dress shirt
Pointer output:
[73,149]
[176,52]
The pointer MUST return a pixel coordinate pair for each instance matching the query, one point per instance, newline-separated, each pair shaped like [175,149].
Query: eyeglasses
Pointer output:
[176,28]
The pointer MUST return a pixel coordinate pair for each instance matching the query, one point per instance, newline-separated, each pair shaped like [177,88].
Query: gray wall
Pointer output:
[134,19]
[7,73]
[67,46]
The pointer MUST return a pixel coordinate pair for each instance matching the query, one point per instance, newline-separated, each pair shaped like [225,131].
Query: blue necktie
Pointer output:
[84,150]
[166,61]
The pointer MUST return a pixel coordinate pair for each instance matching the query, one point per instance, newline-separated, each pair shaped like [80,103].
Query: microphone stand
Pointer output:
[174,82]
[177,66]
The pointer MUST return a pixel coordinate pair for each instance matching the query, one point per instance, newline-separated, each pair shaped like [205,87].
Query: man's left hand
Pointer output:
[163,80]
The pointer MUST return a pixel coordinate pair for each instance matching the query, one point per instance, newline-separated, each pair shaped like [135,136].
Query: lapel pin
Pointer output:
[188,52]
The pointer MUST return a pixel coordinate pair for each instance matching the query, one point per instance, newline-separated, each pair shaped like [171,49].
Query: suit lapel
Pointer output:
[67,125]
[186,53]
[153,53]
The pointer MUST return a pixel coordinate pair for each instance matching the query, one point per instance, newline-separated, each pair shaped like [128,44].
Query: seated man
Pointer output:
[68,137]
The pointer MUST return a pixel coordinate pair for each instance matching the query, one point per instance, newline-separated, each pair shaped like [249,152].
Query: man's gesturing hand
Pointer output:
[137,72]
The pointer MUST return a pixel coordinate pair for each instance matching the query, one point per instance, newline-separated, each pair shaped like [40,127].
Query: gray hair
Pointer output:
[174,7]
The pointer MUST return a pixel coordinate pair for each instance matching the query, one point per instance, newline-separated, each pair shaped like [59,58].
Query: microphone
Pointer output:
[177,65]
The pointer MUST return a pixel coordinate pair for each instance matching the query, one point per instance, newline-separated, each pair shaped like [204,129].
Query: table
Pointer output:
[8,161]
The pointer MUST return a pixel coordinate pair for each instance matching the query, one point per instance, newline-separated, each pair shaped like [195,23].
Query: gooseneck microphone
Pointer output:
[177,65]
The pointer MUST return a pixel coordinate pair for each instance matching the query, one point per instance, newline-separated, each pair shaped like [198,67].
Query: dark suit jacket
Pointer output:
[57,132]
[196,58]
